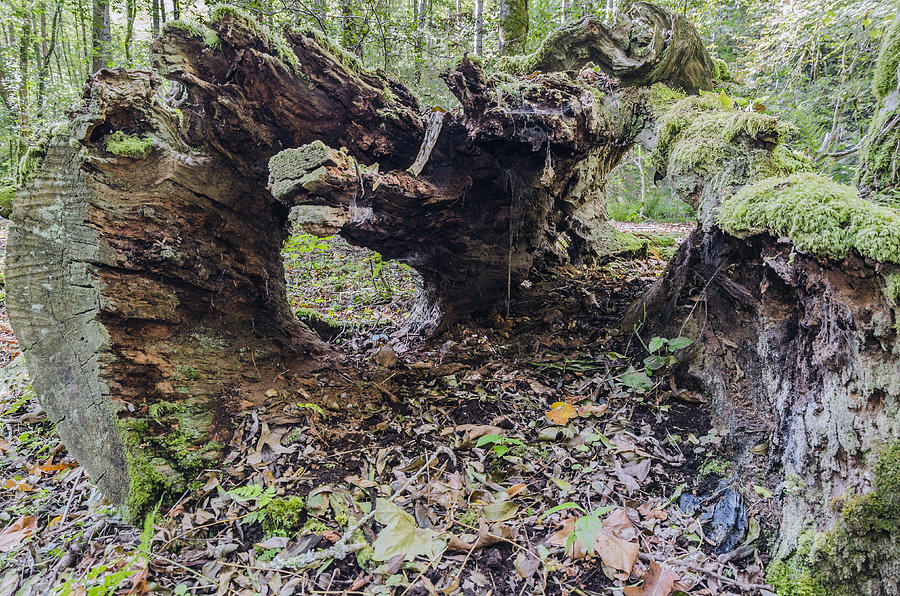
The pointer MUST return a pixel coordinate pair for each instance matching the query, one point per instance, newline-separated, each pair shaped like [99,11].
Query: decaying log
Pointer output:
[790,287]
[145,280]
[645,45]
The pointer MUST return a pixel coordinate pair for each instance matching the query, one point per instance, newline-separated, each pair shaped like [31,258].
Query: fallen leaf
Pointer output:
[274,542]
[500,511]
[401,535]
[20,531]
[561,413]
[516,489]
[13,484]
[610,542]
[658,581]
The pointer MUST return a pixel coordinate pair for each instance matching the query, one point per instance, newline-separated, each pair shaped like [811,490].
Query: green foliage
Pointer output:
[500,445]
[819,215]
[333,286]
[118,143]
[7,194]
[885,78]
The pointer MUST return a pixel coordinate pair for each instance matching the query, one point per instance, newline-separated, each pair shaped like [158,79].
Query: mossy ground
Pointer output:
[818,214]
[119,143]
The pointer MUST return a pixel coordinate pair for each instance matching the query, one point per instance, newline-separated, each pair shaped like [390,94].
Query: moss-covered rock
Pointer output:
[819,215]
[119,143]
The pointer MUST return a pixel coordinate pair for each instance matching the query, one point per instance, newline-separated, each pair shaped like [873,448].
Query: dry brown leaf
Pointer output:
[13,484]
[487,536]
[561,413]
[13,536]
[516,489]
[591,410]
[610,544]
[658,581]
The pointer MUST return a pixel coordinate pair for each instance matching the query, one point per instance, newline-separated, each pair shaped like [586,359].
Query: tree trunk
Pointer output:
[478,45]
[130,14]
[154,10]
[172,311]
[513,26]
[100,36]
[794,307]
[23,124]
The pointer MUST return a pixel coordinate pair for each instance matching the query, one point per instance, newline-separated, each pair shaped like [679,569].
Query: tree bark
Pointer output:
[513,26]
[478,45]
[172,311]
[797,350]
[100,35]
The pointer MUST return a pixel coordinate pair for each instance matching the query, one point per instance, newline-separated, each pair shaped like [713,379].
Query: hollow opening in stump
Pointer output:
[348,295]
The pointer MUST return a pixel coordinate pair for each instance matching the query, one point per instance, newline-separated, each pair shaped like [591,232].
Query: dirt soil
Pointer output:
[539,451]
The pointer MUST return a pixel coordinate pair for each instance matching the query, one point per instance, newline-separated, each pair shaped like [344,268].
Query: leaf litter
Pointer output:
[536,453]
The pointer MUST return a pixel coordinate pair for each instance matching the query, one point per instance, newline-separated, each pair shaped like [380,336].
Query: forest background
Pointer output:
[809,62]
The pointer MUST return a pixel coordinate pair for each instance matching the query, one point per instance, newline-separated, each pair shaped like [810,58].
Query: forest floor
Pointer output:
[538,452]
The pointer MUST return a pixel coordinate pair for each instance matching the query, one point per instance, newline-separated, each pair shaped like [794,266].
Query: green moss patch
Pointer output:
[885,79]
[7,195]
[284,516]
[209,37]
[818,215]
[697,134]
[118,143]
[164,452]
[855,557]
[274,41]
[30,164]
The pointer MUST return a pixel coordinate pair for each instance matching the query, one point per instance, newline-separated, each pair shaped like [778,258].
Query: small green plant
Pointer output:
[500,445]
[713,467]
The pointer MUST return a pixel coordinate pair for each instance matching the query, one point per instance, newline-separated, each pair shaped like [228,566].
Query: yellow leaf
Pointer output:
[561,413]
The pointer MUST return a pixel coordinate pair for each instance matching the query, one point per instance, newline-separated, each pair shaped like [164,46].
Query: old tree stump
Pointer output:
[146,287]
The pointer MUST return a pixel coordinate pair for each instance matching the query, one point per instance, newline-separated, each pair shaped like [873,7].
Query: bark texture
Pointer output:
[796,347]
[170,312]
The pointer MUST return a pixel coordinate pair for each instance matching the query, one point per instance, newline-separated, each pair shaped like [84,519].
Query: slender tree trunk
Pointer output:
[162,11]
[420,42]
[513,26]
[479,27]
[24,42]
[100,36]
[130,13]
[154,28]
[176,10]
[563,17]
